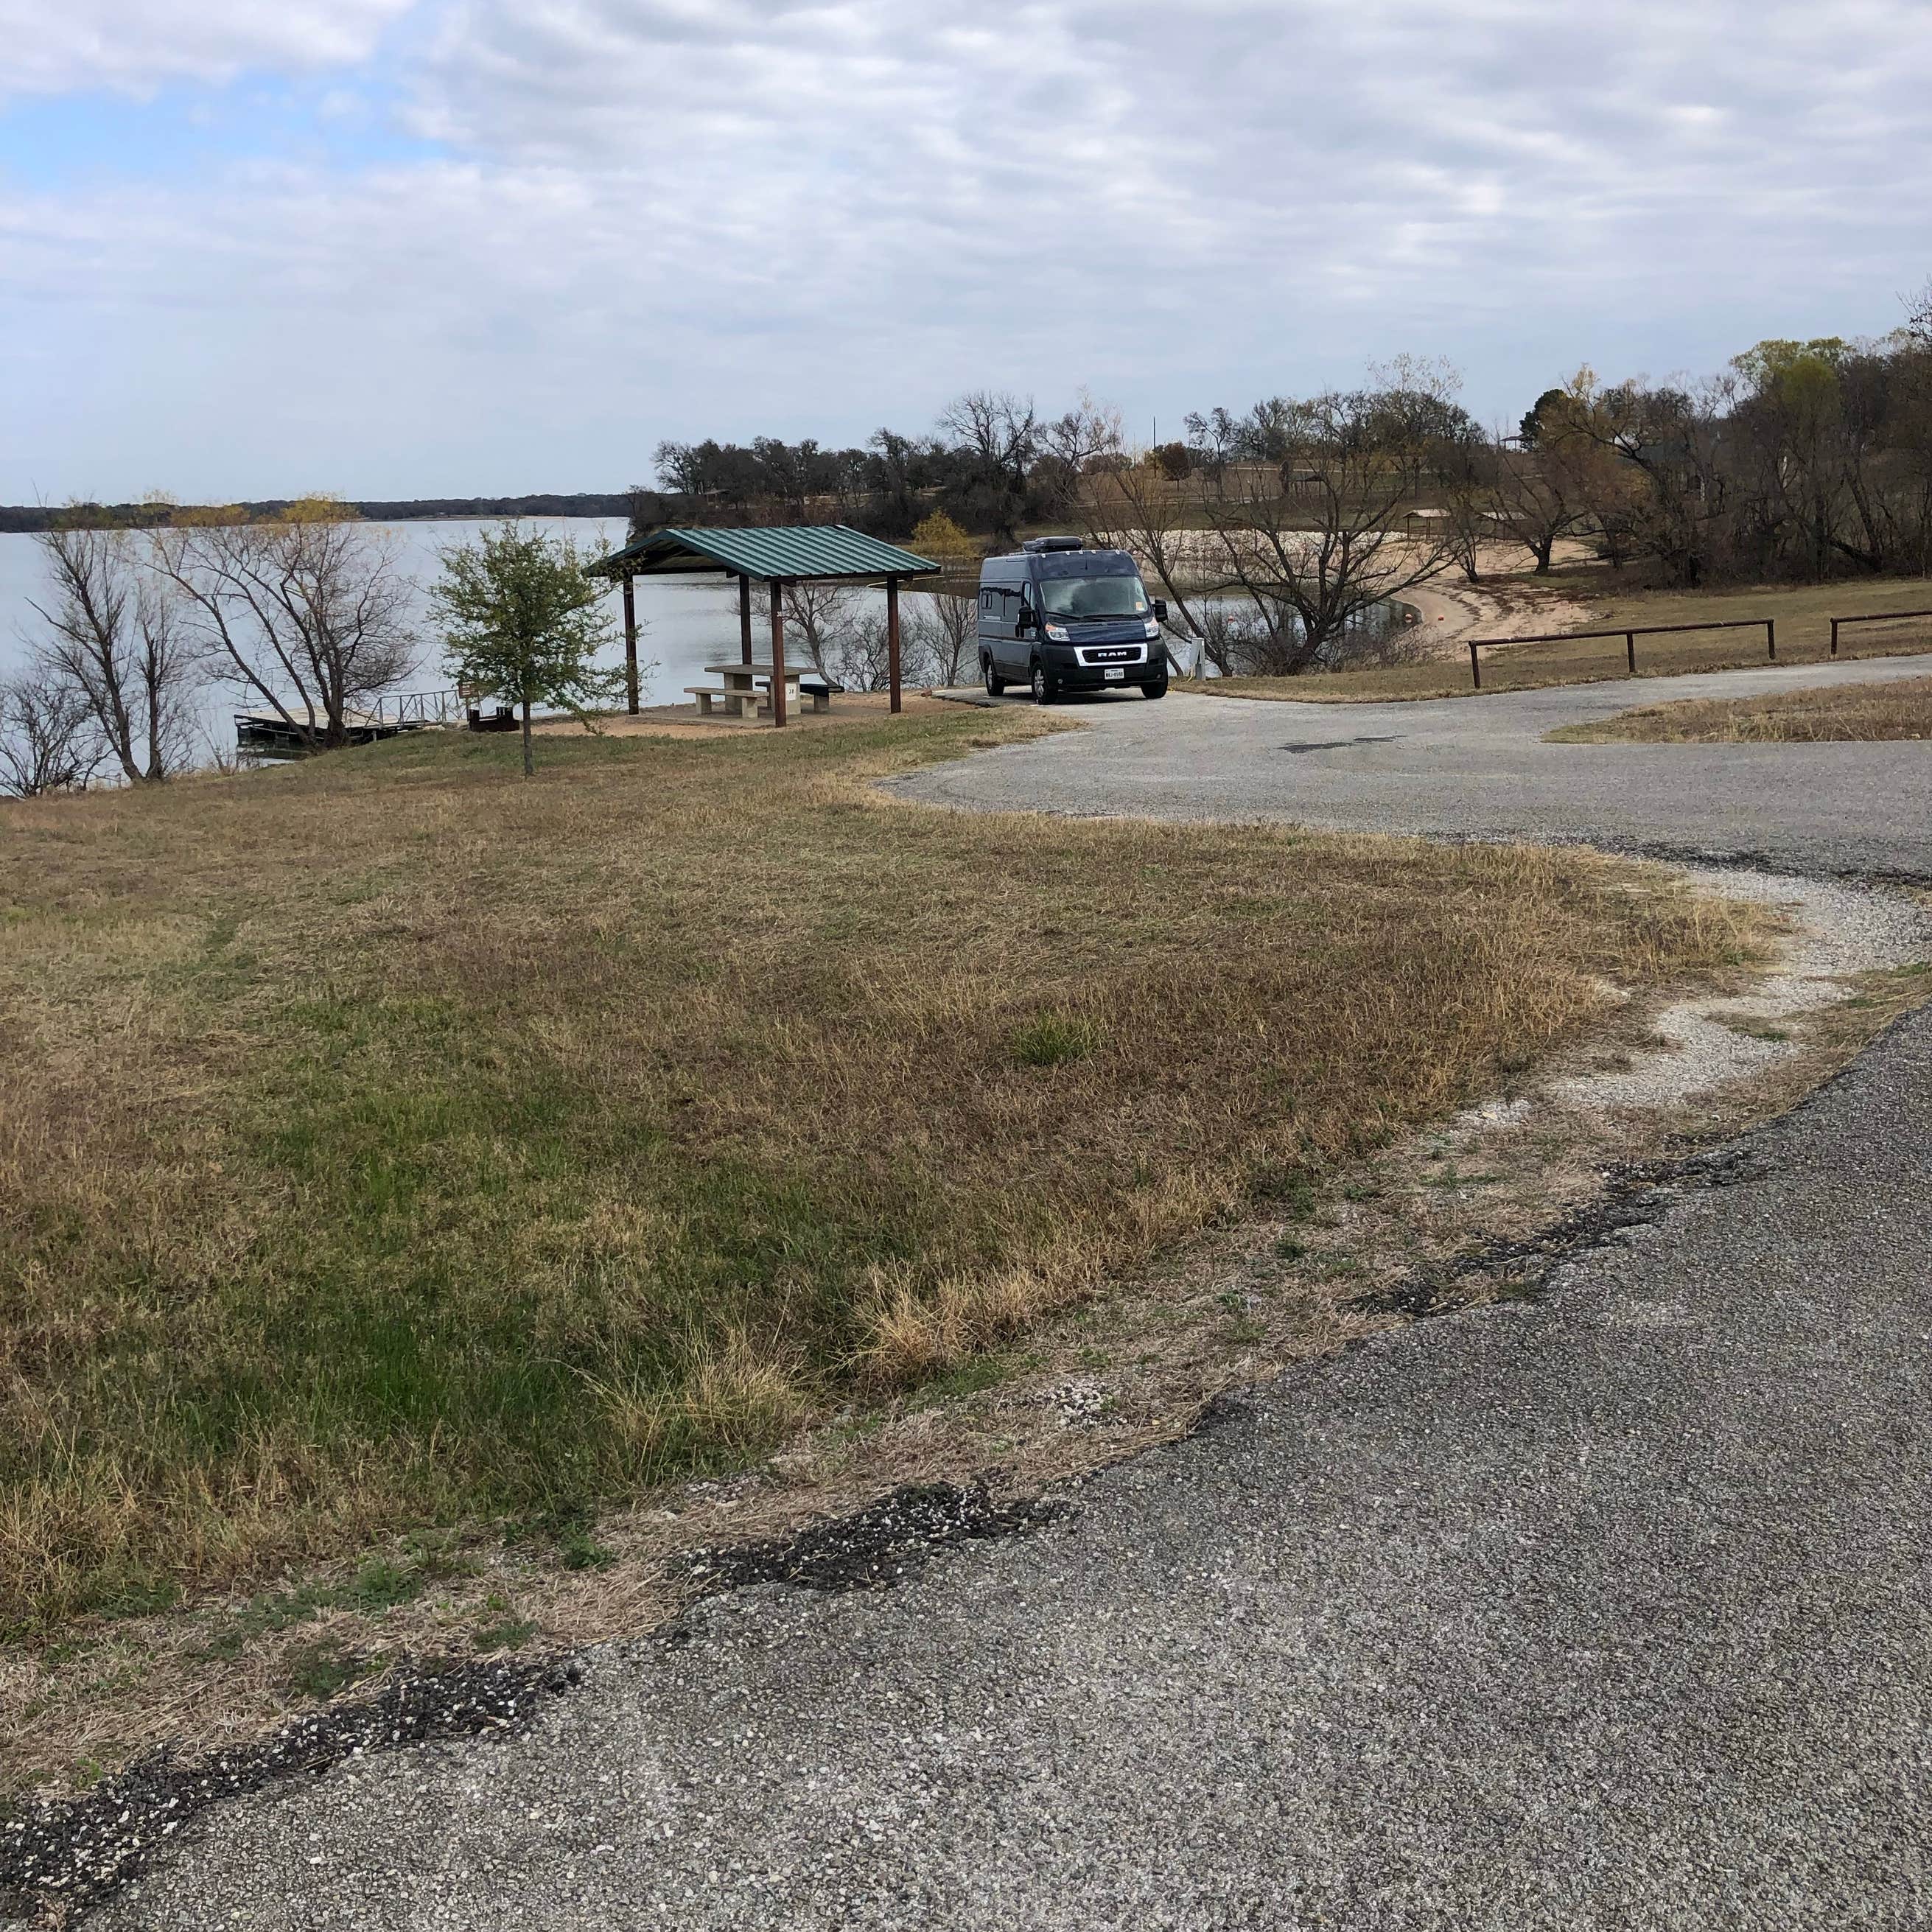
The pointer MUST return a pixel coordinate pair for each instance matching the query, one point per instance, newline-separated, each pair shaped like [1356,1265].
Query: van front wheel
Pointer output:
[996,685]
[1043,693]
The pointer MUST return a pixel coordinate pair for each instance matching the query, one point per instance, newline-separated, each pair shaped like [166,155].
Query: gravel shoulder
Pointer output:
[1478,767]
[1604,1607]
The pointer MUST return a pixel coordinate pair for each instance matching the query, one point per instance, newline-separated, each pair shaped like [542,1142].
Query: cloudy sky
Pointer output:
[394,247]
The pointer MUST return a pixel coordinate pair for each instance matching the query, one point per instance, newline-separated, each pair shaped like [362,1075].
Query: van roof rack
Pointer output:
[1038,543]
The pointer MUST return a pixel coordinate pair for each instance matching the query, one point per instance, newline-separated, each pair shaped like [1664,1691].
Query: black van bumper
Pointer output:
[1063,667]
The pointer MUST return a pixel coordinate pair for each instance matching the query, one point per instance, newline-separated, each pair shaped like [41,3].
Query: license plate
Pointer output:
[1117,671]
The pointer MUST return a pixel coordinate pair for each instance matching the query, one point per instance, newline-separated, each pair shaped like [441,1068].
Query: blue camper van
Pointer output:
[1062,618]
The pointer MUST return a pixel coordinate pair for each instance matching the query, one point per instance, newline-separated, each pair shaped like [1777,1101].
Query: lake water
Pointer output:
[683,623]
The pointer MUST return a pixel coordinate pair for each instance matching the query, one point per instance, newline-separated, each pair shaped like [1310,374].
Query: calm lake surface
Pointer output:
[683,625]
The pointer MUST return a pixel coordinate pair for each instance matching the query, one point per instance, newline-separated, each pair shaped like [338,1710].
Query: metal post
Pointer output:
[1629,650]
[1835,637]
[745,619]
[1770,638]
[777,588]
[630,646]
[892,639]
[1475,666]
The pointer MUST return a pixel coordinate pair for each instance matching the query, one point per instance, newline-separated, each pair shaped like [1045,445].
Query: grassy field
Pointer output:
[1803,617]
[390,1142]
[1899,709]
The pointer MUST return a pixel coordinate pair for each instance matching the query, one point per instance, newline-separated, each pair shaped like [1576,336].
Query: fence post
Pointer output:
[1770,638]
[1475,665]
[1629,650]
[1835,637]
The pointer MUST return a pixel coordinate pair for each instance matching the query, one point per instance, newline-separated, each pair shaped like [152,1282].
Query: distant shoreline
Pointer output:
[18,518]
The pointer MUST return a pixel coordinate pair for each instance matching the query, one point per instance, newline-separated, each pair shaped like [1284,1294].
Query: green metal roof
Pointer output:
[796,549]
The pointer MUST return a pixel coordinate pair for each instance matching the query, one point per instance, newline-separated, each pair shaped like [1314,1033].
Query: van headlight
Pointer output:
[1153,628]
[1057,633]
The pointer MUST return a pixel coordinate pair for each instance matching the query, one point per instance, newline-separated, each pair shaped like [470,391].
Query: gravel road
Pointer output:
[1612,1608]
[1478,767]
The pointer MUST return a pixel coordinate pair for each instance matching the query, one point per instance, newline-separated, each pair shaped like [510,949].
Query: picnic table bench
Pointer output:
[747,689]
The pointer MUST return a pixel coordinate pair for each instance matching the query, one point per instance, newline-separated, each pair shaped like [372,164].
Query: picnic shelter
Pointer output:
[774,556]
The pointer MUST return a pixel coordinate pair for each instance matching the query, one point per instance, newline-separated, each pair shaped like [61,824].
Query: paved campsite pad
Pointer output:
[1478,768]
[1605,1608]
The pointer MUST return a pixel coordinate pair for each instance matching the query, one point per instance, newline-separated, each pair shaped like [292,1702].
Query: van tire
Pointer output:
[1044,690]
[996,685]
[1154,690]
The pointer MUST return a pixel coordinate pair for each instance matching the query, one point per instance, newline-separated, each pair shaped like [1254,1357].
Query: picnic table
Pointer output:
[746,689]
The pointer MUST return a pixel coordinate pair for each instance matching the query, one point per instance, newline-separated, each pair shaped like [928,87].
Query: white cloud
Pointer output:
[650,217]
[134,46]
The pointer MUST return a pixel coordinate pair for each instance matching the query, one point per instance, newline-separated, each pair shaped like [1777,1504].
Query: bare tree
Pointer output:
[816,615]
[1541,495]
[1468,478]
[112,636]
[308,612]
[1214,440]
[942,634]
[998,432]
[50,741]
[859,656]
[1918,316]
[1069,446]
[1317,562]
[1669,439]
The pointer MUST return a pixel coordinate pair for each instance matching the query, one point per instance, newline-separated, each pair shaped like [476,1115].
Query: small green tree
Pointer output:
[521,620]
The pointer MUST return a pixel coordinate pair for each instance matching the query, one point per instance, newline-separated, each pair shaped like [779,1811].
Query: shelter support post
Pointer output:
[630,645]
[892,639]
[745,619]
[777,588]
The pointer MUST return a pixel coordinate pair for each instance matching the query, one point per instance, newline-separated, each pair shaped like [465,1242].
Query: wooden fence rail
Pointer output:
[1871,617]
[1630,634]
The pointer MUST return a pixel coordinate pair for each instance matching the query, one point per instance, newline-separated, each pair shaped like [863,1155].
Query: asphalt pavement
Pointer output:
[1478,767]
[1611,1608]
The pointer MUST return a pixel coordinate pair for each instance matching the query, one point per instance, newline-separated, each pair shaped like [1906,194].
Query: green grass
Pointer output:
[1053,1039]
[392,1145]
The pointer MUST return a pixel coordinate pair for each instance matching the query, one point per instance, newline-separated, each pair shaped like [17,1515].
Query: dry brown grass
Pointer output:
[1901,709]
[391,1143]
[1802,616]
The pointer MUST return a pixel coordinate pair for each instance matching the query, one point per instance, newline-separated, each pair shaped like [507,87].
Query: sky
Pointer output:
[420,247]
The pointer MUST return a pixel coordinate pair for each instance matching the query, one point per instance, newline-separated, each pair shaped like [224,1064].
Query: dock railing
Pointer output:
[416,707]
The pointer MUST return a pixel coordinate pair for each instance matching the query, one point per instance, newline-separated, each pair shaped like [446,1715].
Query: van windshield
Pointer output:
[1093,597]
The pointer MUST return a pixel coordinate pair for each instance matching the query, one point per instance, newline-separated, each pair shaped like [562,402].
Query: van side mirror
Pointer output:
[1025,621]
[1160,609]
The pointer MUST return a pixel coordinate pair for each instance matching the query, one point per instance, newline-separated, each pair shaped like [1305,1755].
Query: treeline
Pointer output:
[158,514]
[1800,461]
